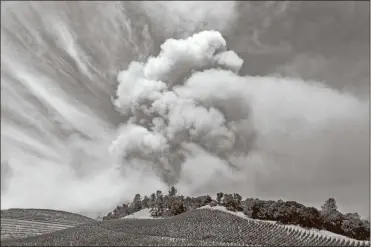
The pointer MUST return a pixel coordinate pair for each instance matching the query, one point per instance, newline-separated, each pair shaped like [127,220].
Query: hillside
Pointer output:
[202,227]
[283,212]
[174,219]
[19,223]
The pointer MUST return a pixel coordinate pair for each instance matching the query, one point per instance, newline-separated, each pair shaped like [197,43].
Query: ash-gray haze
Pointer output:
[102,100]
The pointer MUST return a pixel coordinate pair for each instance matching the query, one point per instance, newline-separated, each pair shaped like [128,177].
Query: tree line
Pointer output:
[284,212]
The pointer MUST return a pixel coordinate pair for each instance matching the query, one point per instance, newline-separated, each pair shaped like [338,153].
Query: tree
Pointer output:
[145,202]
[237,200]
[158,193]
[309,217]
[153,197]
[247,206]
[166,201]
[229,202]
[172,191]
[177,207]
[219,196]
[123,211]
[248,203]
[160,200]
[137,203]
[350,223]
[237,197]
[116,210]
[353,226]
[329,205]
[213,203]
[108,217]
[332,219]
[200,201]
[158,209]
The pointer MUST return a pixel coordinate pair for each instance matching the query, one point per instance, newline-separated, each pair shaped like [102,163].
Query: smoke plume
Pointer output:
[171,107]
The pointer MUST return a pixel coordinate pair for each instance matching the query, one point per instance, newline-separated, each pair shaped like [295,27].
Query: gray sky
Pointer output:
[322,40]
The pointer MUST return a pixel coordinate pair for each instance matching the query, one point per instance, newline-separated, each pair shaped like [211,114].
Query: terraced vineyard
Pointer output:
[202,227]
[20,223]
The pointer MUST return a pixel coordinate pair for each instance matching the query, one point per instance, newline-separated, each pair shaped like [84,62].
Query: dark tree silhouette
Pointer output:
[137,203]
[219,197]
[172,191]
[229,202]
[153,197]
[146,202]
[329,205]
[158,193]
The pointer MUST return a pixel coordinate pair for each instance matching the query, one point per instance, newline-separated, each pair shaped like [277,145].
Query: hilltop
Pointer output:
[283,212]
[201,227]
[226,220]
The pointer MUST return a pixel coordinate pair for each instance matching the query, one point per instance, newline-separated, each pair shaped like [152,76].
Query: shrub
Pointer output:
[213,203]
[177,207]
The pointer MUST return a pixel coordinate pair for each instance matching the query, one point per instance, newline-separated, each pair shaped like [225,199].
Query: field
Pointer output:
[201,227]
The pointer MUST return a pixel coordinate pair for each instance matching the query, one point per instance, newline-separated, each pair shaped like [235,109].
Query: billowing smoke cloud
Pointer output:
[79,135]
[171,106]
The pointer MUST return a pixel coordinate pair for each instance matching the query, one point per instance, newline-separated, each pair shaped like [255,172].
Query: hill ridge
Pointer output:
[202,227]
